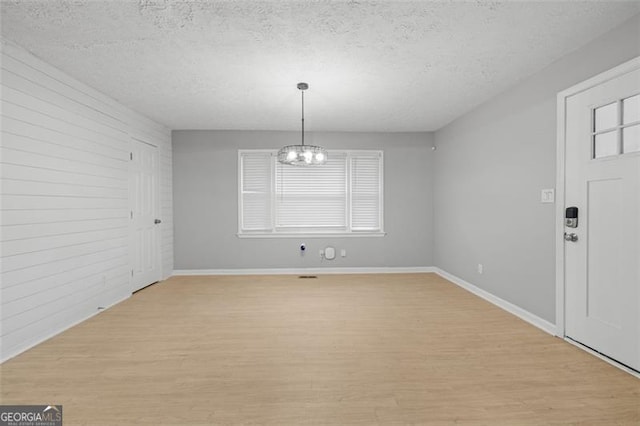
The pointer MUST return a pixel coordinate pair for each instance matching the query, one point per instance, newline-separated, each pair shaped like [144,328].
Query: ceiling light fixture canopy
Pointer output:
[302,155]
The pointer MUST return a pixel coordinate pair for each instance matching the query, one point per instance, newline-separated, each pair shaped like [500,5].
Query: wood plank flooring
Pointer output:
[387,349]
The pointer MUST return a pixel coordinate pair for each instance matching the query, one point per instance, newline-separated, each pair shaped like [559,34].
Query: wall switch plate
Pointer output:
[480,268]
[547,195]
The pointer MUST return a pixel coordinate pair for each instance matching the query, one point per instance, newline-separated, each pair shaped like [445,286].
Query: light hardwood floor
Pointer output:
[341,349]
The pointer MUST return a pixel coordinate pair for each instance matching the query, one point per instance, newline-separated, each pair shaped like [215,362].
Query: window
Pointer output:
[342,197]
[615,128]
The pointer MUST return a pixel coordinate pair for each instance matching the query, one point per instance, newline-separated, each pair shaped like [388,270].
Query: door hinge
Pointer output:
[132,272]
[131,155]
[131,214]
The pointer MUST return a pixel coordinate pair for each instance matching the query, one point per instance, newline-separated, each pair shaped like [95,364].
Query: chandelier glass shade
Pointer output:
[302,155]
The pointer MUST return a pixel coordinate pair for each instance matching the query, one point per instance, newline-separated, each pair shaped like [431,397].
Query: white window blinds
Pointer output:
[255,191]
[366,192]
[312,197]
[344,196]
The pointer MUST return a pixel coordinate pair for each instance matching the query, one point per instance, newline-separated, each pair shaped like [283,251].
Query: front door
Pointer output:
[145,263]
[602,254]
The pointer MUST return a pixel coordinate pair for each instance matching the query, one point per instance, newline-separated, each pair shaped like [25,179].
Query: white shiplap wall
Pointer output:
[64,200]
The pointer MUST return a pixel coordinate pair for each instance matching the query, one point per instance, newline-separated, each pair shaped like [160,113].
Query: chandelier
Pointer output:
[302,155]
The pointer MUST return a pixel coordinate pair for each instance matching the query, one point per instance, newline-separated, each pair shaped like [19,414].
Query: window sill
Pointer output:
[313,235]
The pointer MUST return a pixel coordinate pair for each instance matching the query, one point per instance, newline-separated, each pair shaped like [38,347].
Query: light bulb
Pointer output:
[308,156]
[291,155]
[320,157]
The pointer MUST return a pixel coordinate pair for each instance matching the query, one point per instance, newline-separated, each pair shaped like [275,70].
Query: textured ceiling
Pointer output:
[371,66]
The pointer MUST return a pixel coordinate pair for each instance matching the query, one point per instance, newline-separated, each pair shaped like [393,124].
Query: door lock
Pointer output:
[571,217]
[571,237]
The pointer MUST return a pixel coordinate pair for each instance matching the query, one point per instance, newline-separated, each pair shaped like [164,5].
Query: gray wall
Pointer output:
[206,203]
[489,168]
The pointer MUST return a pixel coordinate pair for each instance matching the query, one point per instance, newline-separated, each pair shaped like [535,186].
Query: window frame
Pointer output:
[275,232]
[617,129]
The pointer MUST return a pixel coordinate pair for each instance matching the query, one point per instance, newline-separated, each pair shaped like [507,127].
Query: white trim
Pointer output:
[604,358]
[33,343]
[624,68]
[559,222]
[615,72]
[307,271]
[523,314]
[312,235]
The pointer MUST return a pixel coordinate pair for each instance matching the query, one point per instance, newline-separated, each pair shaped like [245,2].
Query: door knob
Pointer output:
[571,237]
[157,221]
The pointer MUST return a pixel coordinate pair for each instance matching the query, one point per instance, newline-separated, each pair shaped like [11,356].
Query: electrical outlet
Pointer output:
[480,268]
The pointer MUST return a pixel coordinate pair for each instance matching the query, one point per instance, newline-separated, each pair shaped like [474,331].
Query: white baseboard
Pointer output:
[306,271]
[523,314]
[25,346]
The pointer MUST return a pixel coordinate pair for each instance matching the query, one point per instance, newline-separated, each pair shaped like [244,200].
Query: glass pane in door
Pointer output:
[605,144]
[631,139]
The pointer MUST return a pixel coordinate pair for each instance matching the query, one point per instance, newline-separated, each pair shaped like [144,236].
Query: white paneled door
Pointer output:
[145,229]
[602,254]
